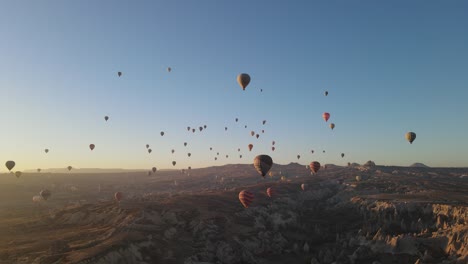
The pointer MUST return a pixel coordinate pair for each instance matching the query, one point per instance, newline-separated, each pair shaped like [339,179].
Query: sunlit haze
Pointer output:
[390,67]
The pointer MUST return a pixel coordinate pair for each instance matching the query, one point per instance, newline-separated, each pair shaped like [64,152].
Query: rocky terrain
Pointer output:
[392,215]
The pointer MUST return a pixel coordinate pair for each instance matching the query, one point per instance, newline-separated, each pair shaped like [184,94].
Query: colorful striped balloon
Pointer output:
[246,198]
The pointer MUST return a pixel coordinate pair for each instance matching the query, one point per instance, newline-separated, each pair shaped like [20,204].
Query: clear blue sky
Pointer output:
[390,67]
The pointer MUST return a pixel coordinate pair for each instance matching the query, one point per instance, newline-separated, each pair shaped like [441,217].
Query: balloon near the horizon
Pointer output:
[246,198]
[118,196]
[45,194]
[10,165]
[243,79]
[18,174]
[69,168]
[314,166]
[263,164]
[410,136]
[303,186]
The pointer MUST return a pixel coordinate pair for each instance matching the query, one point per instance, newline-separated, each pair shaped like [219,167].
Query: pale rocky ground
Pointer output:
[414,215]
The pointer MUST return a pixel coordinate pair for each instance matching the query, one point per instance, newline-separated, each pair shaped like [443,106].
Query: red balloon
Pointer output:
[270,192]
[326,116]
[250,147]
[314,166]
[246,198]
[92,146]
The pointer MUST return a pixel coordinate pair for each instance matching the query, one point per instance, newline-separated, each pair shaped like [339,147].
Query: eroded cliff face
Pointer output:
[327,223]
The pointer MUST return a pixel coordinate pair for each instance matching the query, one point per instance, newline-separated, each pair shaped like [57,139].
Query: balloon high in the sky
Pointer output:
[257,136]
[263,164]
[188,129]
[252,133]
[250,147]
[185,144]
[46,151]
[332,126]
[91,147]
[326,93]
[273,143]
[264,122]
[106,118]
[342,155]
[273,148]
[149,151]
[147,146]
[314,166]
[162,133]
[119,74]
[169,69]
[173,163]
[246,198]
[326,116]
[237,119]
[10,165]
[410,136]
[243,79]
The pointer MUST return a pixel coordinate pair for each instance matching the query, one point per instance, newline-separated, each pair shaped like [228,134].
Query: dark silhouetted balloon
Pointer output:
[250,147]
[10,165]
[119,74]
[263,164]
[410,136]
[173,163]
[45,194]
[91,147]
[162,133]
[154,169]
[243,79]
[106,118]
[18,174]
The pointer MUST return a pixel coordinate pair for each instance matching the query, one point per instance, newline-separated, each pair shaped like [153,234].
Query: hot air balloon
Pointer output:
[149,173]
[37,199]
[240,156]
[246,198]
[118,196]
[358,178]
[271,174]
[169,69]
[323,151]
[119,74]
[261,90]
[238,150]
[225,128]
[217,153]
[154,169]
[147,146]
[245,126]
[200,128]
[189,154]
[326,116]
[273,148]
[332,126]
[69,168]
[312,151]
[10,165]
[273,142]
[188,128]
[173,163]
[45,194]
[216,158]
[252,133]
[270,192]
[39,170]
[162,133]
[263,131]
[257,136]
[211,148]
[283,178]
[314,166]
[237,119]
[298,156]
[410,136]
[106,118]
[243,79]
[189,168]
[264,122]
[250,147]
[91,147]
[172,151]
[18,174]
[46,151]
[326,93]
[262,164]
[342,155]
[149,151]
[193,130]
[303,186]
[185,144]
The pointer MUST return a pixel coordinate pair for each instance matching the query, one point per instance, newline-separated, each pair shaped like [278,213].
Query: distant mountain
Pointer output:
[419,165]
